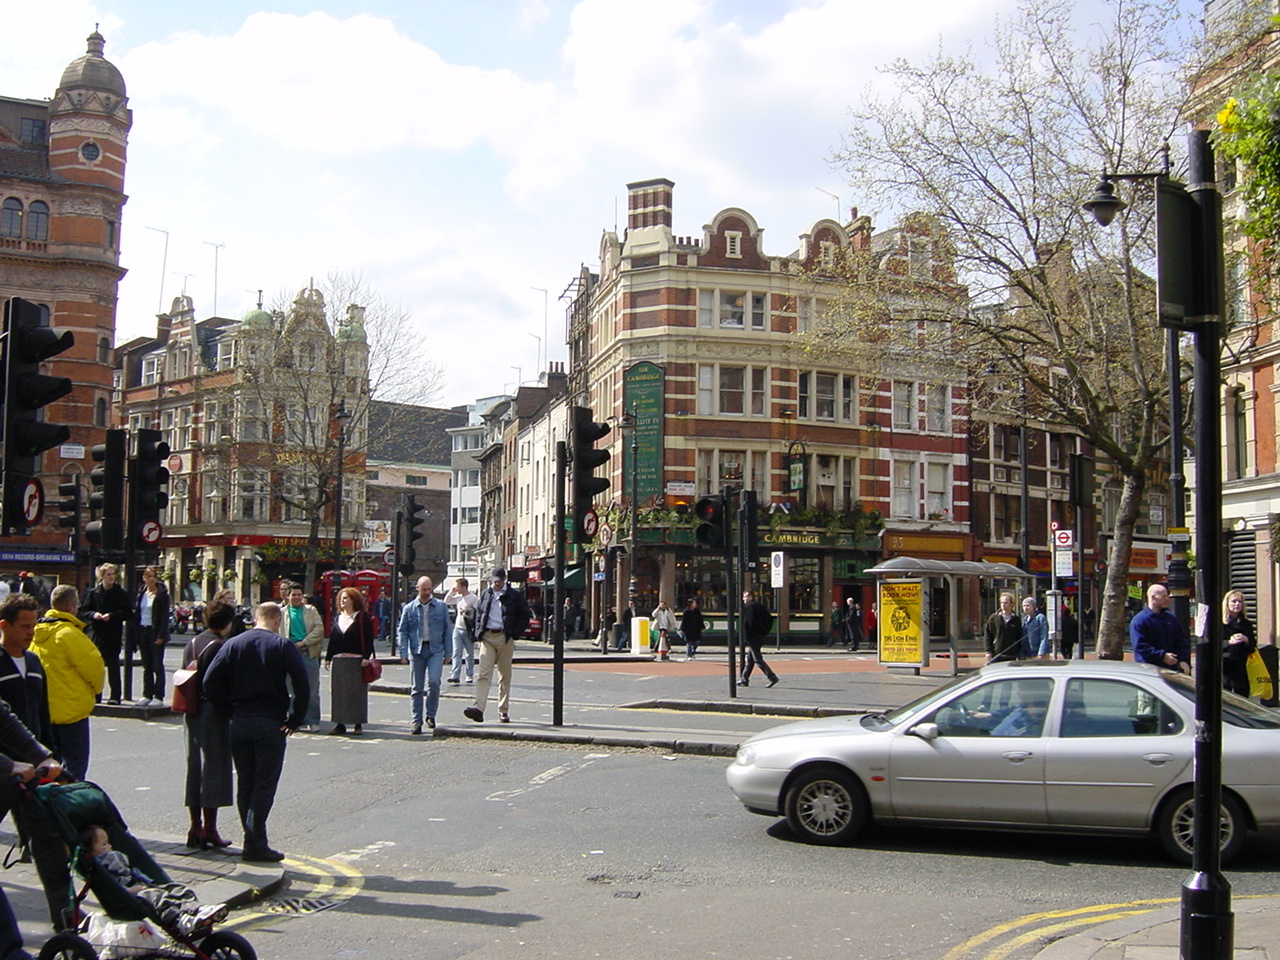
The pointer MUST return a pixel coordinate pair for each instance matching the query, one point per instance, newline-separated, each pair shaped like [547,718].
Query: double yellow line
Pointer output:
[1044,925]
[329,881]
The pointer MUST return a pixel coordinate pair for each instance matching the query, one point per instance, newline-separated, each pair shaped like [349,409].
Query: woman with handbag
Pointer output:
[350,651]
[1241,640]
[208,731]
[152,611]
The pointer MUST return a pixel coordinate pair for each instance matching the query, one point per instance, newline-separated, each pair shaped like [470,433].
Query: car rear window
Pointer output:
[1236,710]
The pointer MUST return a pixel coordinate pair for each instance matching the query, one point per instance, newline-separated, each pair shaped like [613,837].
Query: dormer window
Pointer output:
[733,244]
[827,254]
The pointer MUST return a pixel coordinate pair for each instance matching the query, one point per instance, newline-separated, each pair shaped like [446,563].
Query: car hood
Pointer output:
[823,726]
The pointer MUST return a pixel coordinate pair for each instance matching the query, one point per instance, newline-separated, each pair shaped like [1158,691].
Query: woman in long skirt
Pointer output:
[350,648]
[208,738]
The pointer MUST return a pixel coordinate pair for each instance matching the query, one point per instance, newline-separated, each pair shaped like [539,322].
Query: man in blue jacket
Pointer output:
[424,633]
[1157,635]
[246,681]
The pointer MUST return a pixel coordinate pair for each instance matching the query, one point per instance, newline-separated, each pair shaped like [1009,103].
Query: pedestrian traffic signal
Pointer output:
[584,432]
[712,529]
[413,519]
[106,495]
[748,530]
[28,342]
[70,507]
[148,478]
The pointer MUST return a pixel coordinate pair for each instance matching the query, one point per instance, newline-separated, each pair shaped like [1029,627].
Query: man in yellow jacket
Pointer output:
[74,672]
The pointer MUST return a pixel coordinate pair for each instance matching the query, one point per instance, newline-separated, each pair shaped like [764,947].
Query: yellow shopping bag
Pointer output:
[1259,676]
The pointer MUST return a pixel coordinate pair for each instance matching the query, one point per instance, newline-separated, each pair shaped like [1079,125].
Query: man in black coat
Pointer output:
[501,618]
[756,623]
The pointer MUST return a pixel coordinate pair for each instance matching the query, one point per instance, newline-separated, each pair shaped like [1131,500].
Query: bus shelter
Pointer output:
[945,581]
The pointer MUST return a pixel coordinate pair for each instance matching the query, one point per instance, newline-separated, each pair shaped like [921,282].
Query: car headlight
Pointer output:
[746,755]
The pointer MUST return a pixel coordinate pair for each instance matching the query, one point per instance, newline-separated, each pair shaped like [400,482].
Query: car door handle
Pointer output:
[1017,756]
[1157,758]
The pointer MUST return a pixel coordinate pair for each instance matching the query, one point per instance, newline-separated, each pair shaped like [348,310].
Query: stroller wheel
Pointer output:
[67,946]
[225,945]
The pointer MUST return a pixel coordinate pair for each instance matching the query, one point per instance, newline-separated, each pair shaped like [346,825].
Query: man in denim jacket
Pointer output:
[424,634]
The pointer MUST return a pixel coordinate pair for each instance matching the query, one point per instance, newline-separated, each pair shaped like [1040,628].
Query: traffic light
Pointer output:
[413,519]
[584,432]
[712,530]
[28,343]
[148,477]
[71,506]
[106,498]
[748,530]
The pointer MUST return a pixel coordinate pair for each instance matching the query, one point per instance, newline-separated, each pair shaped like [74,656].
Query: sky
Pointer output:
[464,156]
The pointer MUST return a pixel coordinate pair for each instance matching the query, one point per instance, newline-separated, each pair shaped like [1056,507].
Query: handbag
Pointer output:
[1259,677]
[186,690]
[372,670]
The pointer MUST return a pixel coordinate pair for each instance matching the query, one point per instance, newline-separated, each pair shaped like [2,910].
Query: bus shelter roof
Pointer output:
[924,567]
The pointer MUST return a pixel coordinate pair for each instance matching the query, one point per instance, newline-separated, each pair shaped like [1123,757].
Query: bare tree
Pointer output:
[1002,151]
[307,378]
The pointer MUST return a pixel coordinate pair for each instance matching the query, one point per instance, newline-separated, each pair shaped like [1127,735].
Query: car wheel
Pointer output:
[1175,827]
[827,805]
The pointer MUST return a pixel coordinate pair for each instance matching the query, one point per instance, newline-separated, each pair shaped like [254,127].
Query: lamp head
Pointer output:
[1104,204]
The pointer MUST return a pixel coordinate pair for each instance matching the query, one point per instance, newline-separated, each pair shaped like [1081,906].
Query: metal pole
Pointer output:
[397,540]
[731,598]
[337,515]
[1207,923]
[1179,572]
[557,688]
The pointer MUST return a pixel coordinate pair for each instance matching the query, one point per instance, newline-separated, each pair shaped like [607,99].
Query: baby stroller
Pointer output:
[70,807]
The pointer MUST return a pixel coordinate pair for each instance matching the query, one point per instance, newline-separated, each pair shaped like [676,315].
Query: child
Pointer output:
[175,903]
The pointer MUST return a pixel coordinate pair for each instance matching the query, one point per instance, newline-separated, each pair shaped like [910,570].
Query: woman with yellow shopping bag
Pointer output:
[1241,642]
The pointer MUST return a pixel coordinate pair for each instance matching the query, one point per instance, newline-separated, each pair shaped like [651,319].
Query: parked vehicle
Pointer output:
[179,618]
[1083,746]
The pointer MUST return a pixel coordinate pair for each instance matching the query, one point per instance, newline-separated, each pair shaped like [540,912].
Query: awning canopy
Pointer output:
[573,580]
[922,567]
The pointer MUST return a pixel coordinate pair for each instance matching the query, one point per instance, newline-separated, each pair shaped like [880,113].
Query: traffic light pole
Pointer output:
[733,585]
[558,618]
[397,588]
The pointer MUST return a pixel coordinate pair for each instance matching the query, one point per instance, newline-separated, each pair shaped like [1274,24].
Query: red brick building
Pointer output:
[62,171]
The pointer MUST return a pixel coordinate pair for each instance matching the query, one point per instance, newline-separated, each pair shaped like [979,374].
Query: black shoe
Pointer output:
[474,713]
[266,855]
[744,682]
[357,730]
[339,729]
[431,722]
[503,718]
[417,729]
[452,680]
[773,681]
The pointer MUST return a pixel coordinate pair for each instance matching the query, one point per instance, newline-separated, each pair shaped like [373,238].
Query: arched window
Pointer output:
[100,412]
[104,350]
[11,218]
[38,220]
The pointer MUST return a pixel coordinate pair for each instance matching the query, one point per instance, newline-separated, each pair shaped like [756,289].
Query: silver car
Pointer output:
[1077,745]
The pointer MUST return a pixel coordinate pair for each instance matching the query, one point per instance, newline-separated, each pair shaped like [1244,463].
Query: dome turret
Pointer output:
[93,71]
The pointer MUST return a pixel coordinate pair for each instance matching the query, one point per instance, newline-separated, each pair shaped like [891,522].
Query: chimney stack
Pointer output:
[649,203]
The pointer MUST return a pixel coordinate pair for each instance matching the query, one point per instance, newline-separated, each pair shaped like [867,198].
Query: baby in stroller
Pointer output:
[175,903]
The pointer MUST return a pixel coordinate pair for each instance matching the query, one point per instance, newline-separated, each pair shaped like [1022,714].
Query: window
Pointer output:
[211,429]
[937,490]
[904,405]
[825,396]
[178,503]
[226,357]
[802,394]
[38,220]
[733,243]
[11,218]
[151,370]
[759,391]
[827,254]
[849,399]
[32,130]
[732,386]
[371,474]
[100,412]
[253,425]
[729,309]
[848,482]
[104,350]
[184,428]
[113,229]
[1113,708]
[1004,708]
[904,489]
[938,408]
[255,499]
[416,480]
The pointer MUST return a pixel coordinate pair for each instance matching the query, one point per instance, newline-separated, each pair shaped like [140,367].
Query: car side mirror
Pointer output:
[925,731]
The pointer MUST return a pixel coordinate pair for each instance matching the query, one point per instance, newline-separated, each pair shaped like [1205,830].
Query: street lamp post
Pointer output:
[1190,297]
[342,417]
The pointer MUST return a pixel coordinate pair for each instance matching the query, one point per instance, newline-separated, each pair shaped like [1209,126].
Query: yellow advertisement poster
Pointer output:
[901,623]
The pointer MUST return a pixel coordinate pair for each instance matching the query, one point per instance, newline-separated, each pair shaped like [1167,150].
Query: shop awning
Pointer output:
[573,580]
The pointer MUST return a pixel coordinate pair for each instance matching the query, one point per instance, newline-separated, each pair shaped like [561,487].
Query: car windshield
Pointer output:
[1236,710]
[882,721]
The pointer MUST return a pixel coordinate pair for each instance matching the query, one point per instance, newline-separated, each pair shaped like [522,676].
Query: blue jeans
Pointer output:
[73,743]
[313,675]
[463,647]
[430,666]
[257,747]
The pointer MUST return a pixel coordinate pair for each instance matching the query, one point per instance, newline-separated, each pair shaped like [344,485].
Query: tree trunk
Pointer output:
[313,552]
[1114,624]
